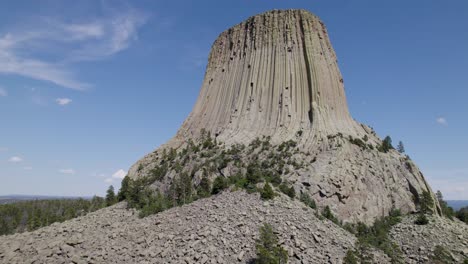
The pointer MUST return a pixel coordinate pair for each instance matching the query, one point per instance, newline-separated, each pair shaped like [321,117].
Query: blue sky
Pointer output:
[89,87]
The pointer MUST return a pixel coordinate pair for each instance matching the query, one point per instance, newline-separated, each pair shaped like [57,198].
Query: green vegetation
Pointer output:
[219,184]
[447,211]
[441,255]
[327,213]
[31,215]
[305,198]
[426,203]
[268,250]
[401,147]
[376,236]
[195,165]
[462,214]
[386,145]
[267,192]
[288,190]
[358,142]
[421,220]
[350,257]
[111,199]
[204,188]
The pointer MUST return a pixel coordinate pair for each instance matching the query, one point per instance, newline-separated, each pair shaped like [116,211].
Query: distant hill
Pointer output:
[5,199]
[457,204]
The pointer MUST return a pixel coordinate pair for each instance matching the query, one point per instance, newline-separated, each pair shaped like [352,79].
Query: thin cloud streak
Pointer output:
[67,171]
[20,52]
[63,101]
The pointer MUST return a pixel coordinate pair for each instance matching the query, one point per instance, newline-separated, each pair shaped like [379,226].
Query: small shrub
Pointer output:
[267,192]
[421,220]
[377,236]
[327,213]
[350,258]
[238,180]
[274,178]
[204,187]
[288,190]
[358,142]
[305,198]
[219,184]
[441,255]
[268,250]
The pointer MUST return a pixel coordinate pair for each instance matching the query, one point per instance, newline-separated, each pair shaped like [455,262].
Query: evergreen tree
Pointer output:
[401,147]
[219,184]
[426,203]
[204,187]
[267,192]
[268,250]
[184,188]
[124,188]
[446,210]
[110,196]
[386,144]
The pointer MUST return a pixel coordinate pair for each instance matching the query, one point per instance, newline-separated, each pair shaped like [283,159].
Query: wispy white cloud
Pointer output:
[442,121]
[120,174]
[21,51]
[63,101]
[15,159]
[3,92]
[67,171]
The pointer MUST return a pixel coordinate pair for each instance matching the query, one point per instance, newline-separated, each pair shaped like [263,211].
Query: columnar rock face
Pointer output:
[275,76]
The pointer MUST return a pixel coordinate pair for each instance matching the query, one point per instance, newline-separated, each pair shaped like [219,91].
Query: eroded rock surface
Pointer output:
[418,242]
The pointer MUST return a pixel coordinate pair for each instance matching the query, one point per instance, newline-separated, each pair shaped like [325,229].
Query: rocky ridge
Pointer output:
[419,242]
[220,229]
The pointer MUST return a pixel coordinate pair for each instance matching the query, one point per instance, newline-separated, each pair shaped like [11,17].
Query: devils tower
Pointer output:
[272,111]
[276,75]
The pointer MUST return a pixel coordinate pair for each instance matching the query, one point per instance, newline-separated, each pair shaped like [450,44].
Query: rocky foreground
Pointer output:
[220,229]
[418,242]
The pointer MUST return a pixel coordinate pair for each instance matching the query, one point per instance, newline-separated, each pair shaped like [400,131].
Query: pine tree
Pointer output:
[204,187]
[386,144]
[110,196]
[401,147]
[268,250]
[124,188]
[446,210]
[267,192]
[219,184]
[426,202]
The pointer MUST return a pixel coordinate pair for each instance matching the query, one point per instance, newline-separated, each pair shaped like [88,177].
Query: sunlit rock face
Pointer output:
[273,74]
[276,76]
